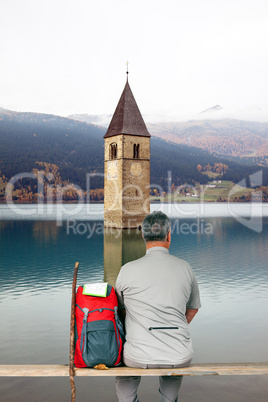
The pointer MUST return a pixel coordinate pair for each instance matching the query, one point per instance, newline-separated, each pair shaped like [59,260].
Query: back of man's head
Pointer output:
[155,227]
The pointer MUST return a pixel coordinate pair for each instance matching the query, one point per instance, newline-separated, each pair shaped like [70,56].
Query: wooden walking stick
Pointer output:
[71,365]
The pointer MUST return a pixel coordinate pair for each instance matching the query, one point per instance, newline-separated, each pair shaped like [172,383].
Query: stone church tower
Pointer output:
[126,166]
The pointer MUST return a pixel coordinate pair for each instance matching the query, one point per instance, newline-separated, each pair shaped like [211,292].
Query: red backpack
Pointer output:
[98,330]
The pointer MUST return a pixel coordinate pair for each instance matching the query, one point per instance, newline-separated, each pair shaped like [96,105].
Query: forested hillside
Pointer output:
[70,149]
[25,138]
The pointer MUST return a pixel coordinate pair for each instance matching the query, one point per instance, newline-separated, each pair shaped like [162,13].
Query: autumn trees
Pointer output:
[218,167]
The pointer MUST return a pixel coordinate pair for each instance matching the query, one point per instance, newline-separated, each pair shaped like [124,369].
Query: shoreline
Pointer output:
[95,211]
[151,202]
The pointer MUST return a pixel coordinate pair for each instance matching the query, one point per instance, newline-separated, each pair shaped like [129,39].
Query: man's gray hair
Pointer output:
[155,227]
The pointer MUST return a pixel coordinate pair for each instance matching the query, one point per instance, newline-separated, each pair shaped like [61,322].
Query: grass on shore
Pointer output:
[211,192]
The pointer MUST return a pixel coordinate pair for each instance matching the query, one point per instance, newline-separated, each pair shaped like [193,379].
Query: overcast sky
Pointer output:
[69,56]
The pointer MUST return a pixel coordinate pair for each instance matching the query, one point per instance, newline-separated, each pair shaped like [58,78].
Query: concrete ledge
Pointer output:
[194,369]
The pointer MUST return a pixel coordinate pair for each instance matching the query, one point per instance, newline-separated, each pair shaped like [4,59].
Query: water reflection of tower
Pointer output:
[120,247]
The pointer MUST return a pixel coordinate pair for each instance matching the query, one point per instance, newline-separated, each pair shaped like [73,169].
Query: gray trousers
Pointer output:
[127,387]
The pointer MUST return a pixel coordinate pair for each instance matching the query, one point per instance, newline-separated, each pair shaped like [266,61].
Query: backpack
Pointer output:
[99,333]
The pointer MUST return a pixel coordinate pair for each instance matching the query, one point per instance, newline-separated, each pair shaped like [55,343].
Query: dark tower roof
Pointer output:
[127,118]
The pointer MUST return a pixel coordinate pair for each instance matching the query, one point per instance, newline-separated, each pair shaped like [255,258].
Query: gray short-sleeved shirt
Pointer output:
[155,291]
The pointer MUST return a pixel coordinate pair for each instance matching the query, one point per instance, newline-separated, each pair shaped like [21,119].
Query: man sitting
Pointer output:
[159,295]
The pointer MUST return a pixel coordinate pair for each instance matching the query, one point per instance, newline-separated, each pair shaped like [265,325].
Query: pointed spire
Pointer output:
[127,118]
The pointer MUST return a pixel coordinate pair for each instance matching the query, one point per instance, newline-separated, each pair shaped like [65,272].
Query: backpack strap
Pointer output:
[83,333]
[118,324]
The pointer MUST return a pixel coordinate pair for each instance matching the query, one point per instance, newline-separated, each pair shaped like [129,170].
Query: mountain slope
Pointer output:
[29,137]
[76,148]
[227,137]
[230,137]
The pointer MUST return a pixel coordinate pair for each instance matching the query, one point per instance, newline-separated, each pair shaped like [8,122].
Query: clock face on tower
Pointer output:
[112,170]
[135,169]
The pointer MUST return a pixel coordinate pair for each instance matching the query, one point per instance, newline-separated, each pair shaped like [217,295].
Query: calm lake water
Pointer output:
[228,254]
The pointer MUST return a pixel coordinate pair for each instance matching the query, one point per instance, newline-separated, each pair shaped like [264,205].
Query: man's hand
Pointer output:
[190,313]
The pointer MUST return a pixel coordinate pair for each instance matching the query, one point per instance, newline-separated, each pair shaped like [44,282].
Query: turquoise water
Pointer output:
[36,269]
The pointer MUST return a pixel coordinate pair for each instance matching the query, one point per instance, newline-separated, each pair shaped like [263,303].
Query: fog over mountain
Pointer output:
[97,119]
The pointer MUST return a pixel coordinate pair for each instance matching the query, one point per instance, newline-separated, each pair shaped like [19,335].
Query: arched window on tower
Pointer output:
[136,151]
[113,151]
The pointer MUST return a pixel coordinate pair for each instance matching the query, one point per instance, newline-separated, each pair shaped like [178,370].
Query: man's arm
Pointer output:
[190,313]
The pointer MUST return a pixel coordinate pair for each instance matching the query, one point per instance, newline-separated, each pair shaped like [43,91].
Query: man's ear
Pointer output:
[169,237]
